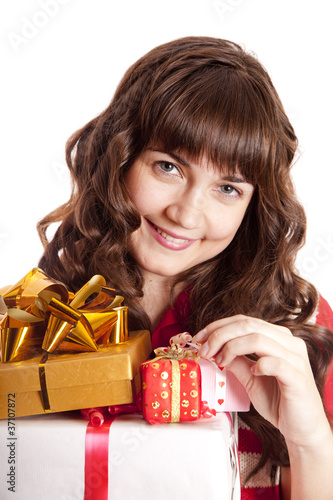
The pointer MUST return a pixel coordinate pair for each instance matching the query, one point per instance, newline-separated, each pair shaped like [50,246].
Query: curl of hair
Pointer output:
[205,97]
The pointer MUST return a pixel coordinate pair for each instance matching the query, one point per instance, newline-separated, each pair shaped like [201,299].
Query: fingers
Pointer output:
[280,382]
[204,334]
[221,332]
[239,336]
[242,323]
[241,367]
[287,369]
[293,351]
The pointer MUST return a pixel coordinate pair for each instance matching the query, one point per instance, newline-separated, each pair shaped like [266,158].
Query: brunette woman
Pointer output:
[182,199]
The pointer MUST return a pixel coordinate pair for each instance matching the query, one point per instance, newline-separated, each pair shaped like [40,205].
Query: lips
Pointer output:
[168,239]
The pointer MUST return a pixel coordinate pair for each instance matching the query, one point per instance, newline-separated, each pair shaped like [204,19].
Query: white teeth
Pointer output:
[168,237]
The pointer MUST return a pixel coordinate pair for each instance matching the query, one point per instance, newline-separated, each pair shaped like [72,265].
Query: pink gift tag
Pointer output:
[221,389]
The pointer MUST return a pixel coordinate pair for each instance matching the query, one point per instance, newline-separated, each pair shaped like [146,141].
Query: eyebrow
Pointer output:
[228,178]
[239,179]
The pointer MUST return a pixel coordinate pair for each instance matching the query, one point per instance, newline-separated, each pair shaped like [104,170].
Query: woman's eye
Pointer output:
[167,167]
[229,190]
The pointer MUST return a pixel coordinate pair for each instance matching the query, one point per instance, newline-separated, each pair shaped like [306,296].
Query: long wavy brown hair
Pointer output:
[201,96]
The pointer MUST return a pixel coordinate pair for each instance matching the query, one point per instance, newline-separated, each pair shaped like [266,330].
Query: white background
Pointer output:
[62,59]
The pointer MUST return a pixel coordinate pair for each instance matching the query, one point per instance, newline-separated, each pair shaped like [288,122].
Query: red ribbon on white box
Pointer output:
[131,428]
[96,469]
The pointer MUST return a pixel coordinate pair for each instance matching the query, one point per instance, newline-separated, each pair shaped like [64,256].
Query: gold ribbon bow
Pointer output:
[41,314]
[175,351]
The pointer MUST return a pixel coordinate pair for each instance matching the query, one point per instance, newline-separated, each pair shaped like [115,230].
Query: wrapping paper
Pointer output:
[74,381]
[171,390]
[181,461]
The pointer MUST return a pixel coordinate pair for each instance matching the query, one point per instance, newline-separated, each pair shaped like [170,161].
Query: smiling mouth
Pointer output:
[170,238]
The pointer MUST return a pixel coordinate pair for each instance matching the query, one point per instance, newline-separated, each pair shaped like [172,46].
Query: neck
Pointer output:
[158,296]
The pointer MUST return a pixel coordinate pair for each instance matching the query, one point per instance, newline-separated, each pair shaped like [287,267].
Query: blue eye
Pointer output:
[166,166]
[229,190]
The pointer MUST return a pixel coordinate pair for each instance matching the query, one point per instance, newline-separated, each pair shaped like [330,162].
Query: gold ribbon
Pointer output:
[175,351]
[22,322]
[175,394]
[41,314]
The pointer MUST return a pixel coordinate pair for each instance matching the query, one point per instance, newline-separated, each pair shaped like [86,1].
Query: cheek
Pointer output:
[144,202]
[225,225]
[137,192]
[147,198]
[136,186]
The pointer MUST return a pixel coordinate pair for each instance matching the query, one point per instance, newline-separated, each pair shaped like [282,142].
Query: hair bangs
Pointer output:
[215,114]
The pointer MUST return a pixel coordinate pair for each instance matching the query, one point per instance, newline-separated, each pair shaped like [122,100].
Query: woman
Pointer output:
[182,199]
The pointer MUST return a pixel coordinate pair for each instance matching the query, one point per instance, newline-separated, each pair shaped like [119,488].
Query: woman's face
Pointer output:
[189,211]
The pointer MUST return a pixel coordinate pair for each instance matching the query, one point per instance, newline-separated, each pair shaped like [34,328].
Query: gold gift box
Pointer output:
[106,377]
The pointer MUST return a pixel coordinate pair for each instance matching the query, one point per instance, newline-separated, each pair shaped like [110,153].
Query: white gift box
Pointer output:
[44,458]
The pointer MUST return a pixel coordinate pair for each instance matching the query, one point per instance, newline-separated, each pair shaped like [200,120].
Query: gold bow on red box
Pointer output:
[39,314]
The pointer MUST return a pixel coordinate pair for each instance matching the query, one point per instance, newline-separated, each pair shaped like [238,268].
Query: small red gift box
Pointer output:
[171,390]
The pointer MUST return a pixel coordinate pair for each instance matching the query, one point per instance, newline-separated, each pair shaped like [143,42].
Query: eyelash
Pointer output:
[160,164]
[235,192]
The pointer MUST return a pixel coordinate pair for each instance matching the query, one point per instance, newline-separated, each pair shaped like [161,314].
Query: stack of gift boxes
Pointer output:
[62,352]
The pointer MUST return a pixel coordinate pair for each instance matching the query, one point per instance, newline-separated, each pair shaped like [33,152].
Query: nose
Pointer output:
[187,210]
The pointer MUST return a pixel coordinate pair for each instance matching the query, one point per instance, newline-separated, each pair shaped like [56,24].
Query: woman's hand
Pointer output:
[280,384]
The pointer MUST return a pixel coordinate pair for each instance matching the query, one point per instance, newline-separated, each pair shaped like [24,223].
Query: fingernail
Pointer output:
[199,335]
[254,369]
[203,350]
[218,359]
